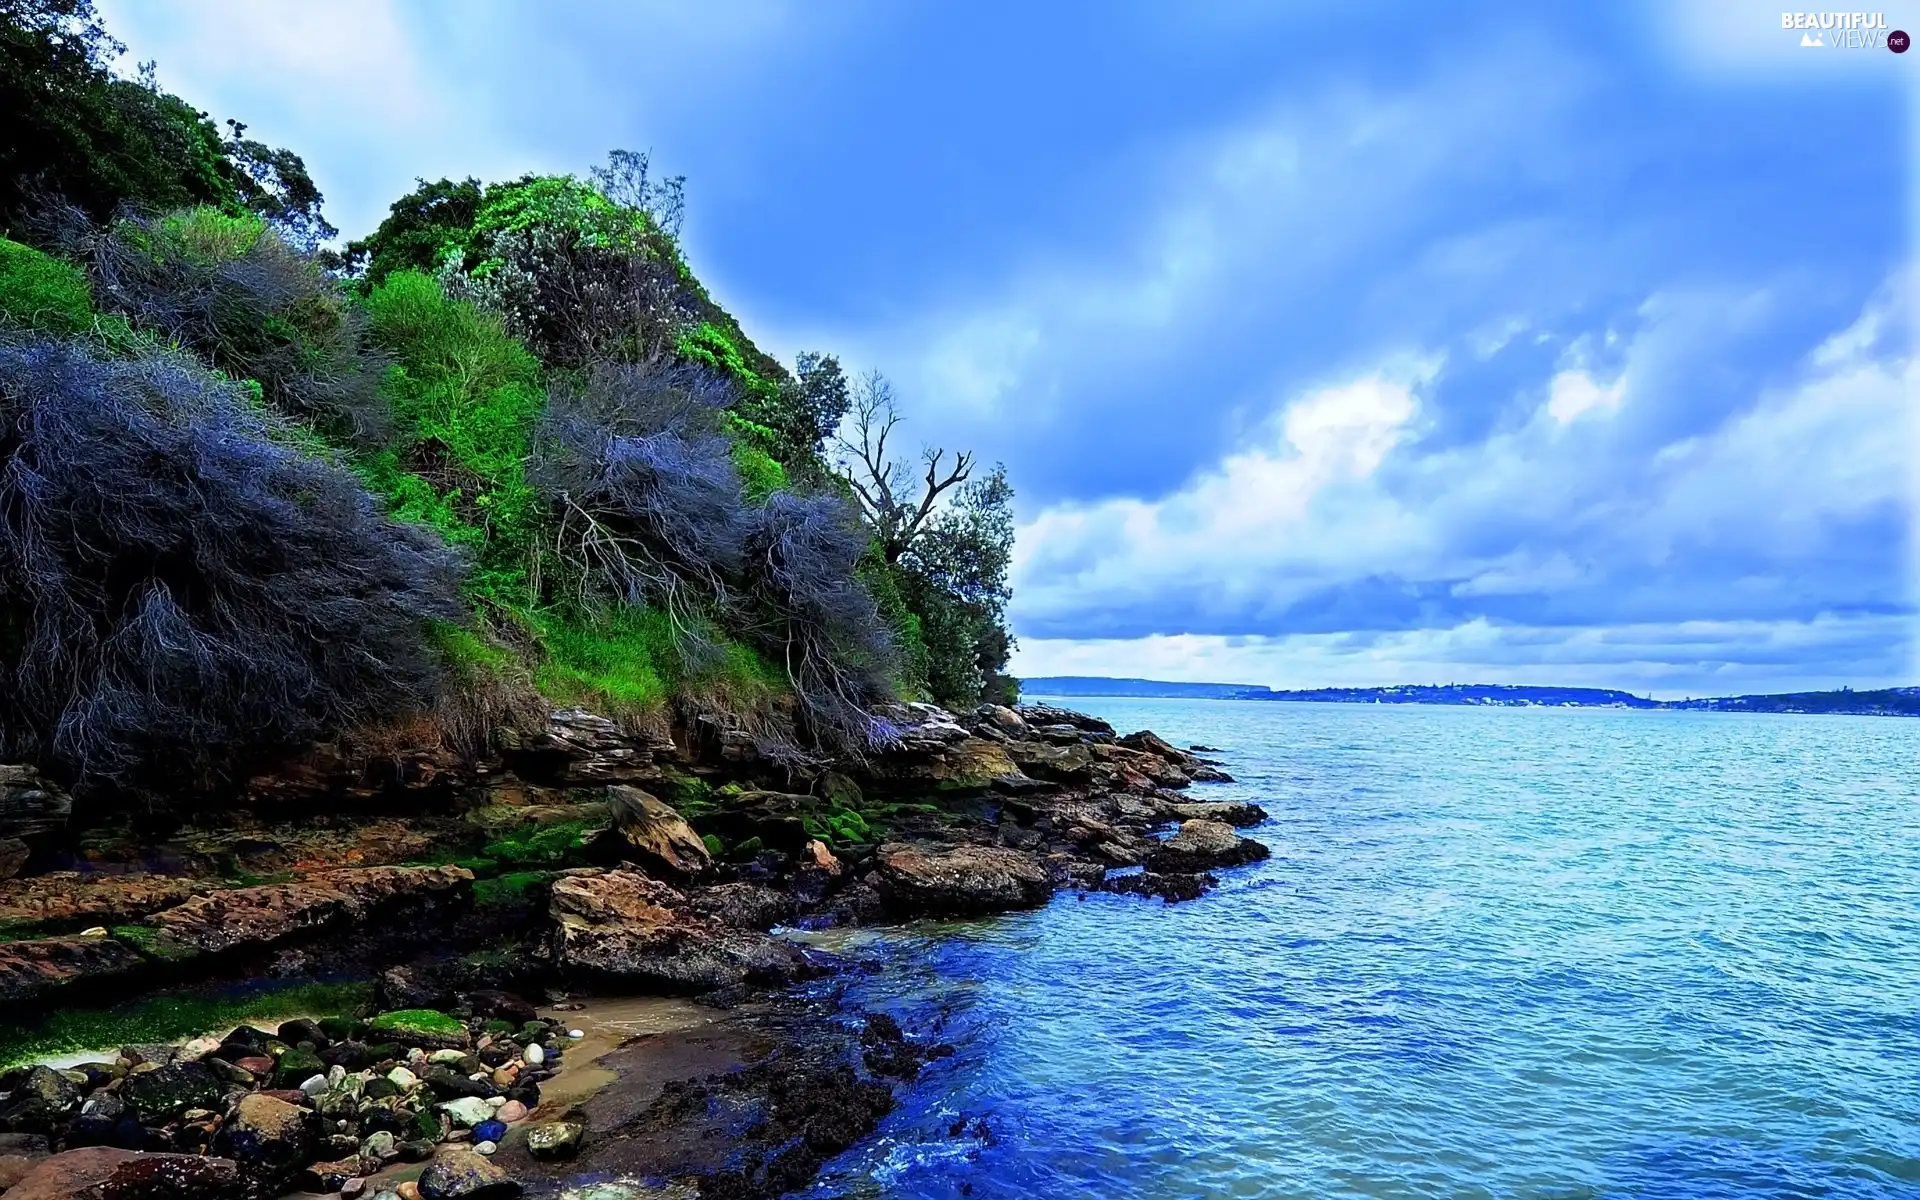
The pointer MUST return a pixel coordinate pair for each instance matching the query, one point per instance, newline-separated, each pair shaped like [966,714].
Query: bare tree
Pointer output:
[893,500]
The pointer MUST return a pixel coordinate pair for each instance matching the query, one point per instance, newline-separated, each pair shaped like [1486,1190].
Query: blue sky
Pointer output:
[1335,344]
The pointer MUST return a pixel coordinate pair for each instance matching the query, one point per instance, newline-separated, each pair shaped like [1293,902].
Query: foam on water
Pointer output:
[1566,954]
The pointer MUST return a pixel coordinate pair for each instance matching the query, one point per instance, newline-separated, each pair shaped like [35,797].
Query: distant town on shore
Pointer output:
[1886,702]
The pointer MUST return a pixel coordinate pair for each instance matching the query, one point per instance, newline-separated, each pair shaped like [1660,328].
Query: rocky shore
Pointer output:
[467,900]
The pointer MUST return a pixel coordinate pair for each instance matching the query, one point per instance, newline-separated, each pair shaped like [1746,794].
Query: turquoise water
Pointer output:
[1496,953]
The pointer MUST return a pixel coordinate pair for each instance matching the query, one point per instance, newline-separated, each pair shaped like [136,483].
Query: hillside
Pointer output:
[1883,702]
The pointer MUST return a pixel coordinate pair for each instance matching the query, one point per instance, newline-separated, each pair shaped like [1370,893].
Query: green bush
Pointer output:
[465,398]
[39,292]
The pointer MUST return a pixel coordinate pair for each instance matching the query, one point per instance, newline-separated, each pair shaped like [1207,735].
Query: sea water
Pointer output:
[1555,953]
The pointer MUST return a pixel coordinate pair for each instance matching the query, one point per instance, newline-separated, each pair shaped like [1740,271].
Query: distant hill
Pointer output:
[1093,685]
[1893,702]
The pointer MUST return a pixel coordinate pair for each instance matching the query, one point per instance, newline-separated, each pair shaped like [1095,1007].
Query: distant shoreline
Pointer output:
[1884,702]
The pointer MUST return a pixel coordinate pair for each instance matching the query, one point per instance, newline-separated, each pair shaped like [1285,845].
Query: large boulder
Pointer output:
[966,880]
[40,1102]
[79,899]
[30,804]
[1045,760]
[1239,813]
[259,917]
[623,925]
[102,1173]
[34,967]
[270,1138]
[464,1175]
[655,836]
[580,747]
[165,1092]
[1202,845]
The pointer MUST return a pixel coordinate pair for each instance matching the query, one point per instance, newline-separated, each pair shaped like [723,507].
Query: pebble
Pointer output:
[484,1147]
[512,1111]
[352,1187]
[497,1101]
[408,1191]
[446,1057]
[199,1047]
[534,1055]
[490,1131]
[576,1034]
[314,1085]
[402,1078]
[335,1074]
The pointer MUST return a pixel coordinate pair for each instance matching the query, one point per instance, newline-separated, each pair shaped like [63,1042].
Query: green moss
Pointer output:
[171,1017]
[417,1020]
[42,293]
[839,827]
[153,943]
[539,846]
[512,890]
[714,845]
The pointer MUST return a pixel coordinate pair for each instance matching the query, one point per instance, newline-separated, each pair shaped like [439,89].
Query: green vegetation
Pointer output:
[39,292]
[417,1021]
[505,452]
[173,1016]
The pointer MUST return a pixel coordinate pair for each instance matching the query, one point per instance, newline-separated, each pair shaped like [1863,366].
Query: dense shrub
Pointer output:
[77,132]
[465,399]
[648,504]
[182,590]
[419,231]
[802,559]
[229,288]
[40,292]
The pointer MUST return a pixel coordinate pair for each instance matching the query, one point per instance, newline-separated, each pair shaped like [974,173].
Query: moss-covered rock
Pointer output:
[427,1028]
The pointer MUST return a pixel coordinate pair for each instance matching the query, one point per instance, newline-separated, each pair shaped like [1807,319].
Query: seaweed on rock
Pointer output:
[182,588]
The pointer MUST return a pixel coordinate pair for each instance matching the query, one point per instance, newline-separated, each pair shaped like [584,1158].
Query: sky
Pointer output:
[1335,344]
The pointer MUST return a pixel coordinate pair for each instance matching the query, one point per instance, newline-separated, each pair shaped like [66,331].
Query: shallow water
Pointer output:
[1497,953]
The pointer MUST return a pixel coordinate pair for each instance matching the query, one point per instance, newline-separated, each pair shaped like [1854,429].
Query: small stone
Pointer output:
[490,1131]
[512,1111]
[335,1074]
[199,1047]
[380,1145]
[484,1147]
[403,1079]
[576,1034]
[497,1101]
[353,1187]
[408,1191]
[466,1111]
[446,1057]
[314,1085]
[94,931]
[257,1064]
[505,1076]
[535,1055]
[556,1139]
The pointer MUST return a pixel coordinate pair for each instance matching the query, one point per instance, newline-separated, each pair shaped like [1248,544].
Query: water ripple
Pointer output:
[1565,955]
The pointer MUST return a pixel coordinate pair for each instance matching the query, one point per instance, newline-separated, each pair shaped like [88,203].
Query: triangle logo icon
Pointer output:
[1811,39]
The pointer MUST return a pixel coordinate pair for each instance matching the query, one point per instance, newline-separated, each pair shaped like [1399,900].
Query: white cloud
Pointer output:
[1690,658]
[1575,392]
[1336,490]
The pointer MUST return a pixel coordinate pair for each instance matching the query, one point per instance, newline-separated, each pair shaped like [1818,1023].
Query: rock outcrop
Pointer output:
[657,837]
[1203,846]
[622,925]
[962,881]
